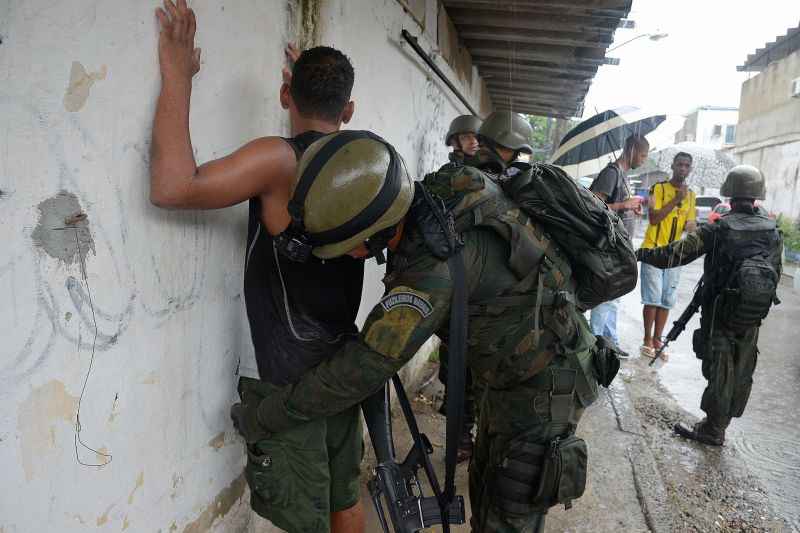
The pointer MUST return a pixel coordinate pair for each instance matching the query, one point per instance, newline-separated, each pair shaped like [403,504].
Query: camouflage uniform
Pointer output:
[527,343]
[728,357]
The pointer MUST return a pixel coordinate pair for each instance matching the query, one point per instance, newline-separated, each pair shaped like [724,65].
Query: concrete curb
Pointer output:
[653,497]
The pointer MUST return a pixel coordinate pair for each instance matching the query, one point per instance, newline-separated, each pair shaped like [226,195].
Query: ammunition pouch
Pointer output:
[699,343]
[534,477]
[605,361]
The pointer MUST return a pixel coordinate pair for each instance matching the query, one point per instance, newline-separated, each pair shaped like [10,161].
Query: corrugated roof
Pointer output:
[781,47]
[538,56]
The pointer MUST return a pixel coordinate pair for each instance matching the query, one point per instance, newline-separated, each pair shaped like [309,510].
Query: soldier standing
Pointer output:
[462,137]
[741,272]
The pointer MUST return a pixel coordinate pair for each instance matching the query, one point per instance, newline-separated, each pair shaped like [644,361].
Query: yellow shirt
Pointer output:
[672,226]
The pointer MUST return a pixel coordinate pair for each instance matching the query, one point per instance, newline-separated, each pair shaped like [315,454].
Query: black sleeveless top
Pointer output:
[299,313]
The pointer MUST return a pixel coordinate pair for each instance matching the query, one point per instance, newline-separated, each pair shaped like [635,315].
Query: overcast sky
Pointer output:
[696,64]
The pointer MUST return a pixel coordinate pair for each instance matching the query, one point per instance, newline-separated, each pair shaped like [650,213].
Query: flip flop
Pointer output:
[647,351]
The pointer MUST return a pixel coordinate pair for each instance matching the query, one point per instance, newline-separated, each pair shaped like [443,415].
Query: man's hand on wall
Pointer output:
[292,54]
[176,52]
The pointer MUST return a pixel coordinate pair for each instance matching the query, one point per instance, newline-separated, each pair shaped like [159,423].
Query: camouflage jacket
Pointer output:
[504,346]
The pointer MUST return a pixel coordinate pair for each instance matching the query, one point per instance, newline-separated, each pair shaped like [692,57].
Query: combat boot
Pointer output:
[703,431]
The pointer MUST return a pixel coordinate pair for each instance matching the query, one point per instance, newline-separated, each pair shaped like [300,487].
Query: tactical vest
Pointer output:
[545,276]
[746,250]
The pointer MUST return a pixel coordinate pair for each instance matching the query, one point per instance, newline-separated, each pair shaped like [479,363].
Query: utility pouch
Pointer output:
[563,476]
[699,344]
[534,477]
[605,361]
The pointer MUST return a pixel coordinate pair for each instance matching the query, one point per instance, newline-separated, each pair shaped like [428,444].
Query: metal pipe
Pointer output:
[410,39]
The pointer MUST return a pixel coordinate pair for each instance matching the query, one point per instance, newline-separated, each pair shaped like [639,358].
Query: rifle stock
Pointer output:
[395,487]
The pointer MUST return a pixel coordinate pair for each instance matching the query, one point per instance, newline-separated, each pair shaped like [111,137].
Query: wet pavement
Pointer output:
[767,438]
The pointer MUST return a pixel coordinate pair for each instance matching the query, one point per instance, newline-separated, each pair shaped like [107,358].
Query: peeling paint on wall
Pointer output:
[80,82]
[218,441]
[55,234]
[219,507]
[36,420]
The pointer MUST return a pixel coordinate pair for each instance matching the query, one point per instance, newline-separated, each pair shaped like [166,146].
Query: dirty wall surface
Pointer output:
[94,278]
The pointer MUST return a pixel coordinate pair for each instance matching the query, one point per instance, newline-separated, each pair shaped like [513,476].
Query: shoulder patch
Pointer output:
[405,297]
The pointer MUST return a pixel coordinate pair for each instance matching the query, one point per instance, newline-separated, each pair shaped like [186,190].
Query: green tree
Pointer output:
[547,133]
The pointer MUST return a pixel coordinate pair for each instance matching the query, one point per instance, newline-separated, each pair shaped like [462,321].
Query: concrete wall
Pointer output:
[768,134]
[93,276]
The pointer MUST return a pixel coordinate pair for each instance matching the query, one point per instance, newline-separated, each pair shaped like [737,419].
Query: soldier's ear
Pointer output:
[347,112]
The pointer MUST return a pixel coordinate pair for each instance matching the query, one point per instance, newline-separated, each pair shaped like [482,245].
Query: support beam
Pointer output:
[524,65]
[532,20]
[553,38]
[500,72]
[534,99]
[543,111]
[555,54]
[515,85]
[618,7]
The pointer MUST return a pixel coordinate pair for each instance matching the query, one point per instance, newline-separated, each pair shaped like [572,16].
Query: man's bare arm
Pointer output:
[631,203]
[175,179]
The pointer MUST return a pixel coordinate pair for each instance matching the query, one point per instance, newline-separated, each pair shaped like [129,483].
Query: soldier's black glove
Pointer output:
[245,420]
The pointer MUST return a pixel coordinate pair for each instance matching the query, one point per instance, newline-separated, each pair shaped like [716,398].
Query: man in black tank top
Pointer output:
[299,313]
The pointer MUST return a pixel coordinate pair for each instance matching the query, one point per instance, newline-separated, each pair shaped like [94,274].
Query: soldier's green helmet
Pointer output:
[351,186]
[462,124]
[507,129]
[744,181]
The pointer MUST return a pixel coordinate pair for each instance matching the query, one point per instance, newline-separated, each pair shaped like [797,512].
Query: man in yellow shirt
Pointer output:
[671,211]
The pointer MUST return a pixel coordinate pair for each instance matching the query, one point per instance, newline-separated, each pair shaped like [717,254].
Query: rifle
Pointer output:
[679,325]
[398,484]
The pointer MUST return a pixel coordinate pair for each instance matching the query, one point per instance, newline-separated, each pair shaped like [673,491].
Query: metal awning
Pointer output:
[538,56]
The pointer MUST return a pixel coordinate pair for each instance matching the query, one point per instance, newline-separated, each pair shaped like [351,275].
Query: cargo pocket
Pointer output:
[563,476]
[267,475]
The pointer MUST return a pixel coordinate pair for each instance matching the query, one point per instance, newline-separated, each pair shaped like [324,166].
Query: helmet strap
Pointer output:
[378,243]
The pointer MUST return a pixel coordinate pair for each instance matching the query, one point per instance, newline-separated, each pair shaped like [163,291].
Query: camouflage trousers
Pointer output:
[522,413]
[729,362]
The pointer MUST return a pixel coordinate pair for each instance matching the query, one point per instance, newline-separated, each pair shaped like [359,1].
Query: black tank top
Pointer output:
[299,313]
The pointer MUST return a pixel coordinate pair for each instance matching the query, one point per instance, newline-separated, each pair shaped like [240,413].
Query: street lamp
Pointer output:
[651,36]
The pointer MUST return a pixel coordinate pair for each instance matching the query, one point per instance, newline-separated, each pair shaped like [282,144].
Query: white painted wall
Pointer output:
[78,81]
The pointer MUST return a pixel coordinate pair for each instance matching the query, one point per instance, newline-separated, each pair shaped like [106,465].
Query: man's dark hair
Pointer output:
[683,154]
[322,79]
[636,141]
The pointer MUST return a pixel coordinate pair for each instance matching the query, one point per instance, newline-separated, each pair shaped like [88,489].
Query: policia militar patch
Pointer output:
[404,298]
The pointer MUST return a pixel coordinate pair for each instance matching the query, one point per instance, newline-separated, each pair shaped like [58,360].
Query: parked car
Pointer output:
[704,205]
[722,208]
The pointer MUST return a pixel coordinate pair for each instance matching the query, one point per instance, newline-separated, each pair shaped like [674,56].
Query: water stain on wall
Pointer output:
[219,507]
[36,420]
[139,483]
[80,82]
[61,232]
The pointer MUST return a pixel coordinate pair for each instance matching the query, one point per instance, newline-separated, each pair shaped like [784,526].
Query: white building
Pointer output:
[710,126]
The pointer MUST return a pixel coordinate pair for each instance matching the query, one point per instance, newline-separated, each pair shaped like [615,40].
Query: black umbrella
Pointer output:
[603,134]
